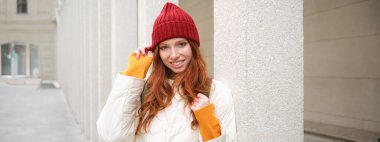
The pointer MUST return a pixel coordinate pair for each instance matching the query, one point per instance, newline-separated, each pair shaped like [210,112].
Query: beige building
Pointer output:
[342,68]
[255,47]
[310,65]
[28,40]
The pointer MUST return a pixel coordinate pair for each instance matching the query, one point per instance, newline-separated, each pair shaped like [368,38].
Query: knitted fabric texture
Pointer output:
[173,22]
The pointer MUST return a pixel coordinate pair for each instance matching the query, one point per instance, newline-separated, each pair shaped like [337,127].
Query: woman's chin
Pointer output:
[177,71]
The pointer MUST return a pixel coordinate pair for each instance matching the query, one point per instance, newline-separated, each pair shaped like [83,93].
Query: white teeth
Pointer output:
[177,63]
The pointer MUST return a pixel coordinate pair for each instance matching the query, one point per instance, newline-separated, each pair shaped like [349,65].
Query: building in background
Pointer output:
[342,68]
[28,41]
[255,47]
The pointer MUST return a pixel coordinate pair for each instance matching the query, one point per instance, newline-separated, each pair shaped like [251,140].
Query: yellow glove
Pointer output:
[208,122]
[138,67]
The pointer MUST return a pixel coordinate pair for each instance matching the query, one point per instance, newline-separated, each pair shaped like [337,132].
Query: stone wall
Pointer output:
[342,63]
[258,53]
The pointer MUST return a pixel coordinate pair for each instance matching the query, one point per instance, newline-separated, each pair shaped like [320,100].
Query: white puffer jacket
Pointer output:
[118,119]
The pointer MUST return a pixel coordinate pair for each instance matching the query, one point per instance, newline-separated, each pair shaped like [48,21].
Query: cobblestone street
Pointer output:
[32,114]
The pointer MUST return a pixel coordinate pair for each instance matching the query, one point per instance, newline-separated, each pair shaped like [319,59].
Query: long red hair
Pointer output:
[159,92]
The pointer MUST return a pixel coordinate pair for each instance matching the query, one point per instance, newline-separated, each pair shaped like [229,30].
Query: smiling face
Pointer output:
[176,54]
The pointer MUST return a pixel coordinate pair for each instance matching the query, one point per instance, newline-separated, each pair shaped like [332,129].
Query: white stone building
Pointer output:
[255,47]
[326,83]
[342,68]
[28,40]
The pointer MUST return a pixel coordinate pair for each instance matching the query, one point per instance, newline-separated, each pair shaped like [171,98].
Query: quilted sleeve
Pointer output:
[118,119]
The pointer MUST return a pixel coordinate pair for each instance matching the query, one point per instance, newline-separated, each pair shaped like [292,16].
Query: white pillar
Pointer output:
[80,72]
[263,41]
[104,50]
[94,94]
[86,69]
[148,10]
[124,33]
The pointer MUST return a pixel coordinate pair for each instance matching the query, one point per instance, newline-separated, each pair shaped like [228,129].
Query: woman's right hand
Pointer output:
[143,51]
[139,63]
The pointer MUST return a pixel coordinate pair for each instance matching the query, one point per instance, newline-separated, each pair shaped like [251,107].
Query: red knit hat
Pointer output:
[171,23]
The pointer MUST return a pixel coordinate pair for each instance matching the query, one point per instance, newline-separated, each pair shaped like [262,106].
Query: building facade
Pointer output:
[342,68]
[255,47]
[28,40]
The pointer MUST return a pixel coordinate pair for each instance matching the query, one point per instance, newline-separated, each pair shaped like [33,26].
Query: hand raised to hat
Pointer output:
[143,51]
[139,63]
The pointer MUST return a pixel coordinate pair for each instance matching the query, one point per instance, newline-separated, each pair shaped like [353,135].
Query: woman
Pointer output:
[178,102]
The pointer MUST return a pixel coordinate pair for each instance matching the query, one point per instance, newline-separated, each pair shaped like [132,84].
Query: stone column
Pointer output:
[81,72]
[104,50]
[148,11]
[94,94]
[263,41]
[124,33]
[86,69]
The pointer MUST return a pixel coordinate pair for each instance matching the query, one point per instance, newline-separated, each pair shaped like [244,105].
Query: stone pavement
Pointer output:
[32,114]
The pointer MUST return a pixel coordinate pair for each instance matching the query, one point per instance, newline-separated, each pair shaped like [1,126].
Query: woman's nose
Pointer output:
[174,53]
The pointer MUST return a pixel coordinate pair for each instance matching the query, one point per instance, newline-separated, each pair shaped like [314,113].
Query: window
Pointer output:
[22,6]
[18,59]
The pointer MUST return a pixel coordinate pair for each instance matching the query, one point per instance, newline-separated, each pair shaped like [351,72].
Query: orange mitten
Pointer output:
[138,67]
[208,122]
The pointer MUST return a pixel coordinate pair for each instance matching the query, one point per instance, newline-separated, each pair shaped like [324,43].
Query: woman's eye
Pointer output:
[183,44]
[163,47]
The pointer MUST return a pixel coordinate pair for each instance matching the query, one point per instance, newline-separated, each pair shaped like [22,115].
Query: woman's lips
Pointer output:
[177,64]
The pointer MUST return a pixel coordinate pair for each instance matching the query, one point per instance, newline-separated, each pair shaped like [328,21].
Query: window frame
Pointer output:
[22,7]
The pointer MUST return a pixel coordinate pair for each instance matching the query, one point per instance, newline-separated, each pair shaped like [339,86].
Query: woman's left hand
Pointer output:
[199,102]
[204,112]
